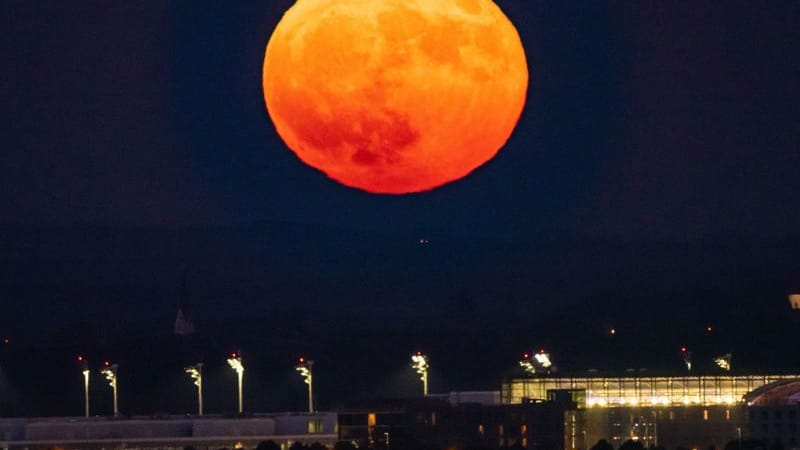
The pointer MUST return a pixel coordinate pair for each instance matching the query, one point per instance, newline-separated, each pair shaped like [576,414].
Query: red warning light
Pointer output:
[106,363]
[301,359]
[80,358]
[233,355]
[526,356]
[683,349]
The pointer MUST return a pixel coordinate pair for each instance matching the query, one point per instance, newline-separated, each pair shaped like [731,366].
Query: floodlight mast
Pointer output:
[305,366]
[533,363]
[724,362]
[686,355]
[527,365]
[419,362]
[196,373]
[110,371]
[235,361]
[85,372]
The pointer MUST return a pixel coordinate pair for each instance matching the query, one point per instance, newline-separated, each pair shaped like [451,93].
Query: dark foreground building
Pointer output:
[173,433]
[443,422]
[773,415]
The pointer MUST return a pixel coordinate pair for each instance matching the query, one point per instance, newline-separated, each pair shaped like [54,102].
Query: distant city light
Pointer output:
[613,331]
[419,362]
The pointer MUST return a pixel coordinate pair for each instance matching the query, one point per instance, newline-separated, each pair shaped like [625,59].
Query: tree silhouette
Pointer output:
[602,444]
[268,445]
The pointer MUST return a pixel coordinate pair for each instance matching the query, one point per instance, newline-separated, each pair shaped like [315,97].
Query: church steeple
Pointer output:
[184,322]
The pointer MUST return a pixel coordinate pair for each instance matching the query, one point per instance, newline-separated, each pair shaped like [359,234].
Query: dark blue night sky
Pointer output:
[651,186]
[643,120]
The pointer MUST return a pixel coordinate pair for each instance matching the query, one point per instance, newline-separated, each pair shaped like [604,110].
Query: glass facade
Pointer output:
[640,391]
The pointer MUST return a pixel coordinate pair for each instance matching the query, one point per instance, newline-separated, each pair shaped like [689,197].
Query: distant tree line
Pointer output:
[404,444]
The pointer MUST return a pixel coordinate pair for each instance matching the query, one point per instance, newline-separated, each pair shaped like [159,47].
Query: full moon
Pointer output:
[395,96]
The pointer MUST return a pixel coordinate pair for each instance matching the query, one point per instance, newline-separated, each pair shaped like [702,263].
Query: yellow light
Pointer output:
[236,364]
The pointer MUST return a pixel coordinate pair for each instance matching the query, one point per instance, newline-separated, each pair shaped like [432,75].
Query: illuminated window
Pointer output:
[500,430]
[523,430]
[727,414]
[705,414]
[371,419]
[315,426]
[481,429]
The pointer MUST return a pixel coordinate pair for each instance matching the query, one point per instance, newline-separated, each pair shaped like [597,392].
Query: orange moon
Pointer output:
[395,96]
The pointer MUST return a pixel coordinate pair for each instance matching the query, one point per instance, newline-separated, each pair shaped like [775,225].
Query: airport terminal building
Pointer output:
[692,412]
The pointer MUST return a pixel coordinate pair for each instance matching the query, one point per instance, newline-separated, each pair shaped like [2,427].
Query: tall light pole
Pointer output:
[304,367]
[528,364]
[534,363]
[110,371]
[85,372]
[235,361]
[196,373]
[686,355]
[419,362]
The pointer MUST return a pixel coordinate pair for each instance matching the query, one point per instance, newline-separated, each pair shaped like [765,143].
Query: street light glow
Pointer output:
[536,362]
[85,372]
[527,364]
[724,361]
[235,361]
[543,359]
[196,373]
[110,371]
[419,362]
[304,367]
[687,358]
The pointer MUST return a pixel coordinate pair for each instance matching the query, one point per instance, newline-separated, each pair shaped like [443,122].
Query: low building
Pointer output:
[683,411]
[177,432]
[453,421]
[773,415]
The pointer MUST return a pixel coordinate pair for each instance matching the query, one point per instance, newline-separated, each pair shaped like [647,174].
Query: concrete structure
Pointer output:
[773,415]
[449,421]
[683,411]
[168,433]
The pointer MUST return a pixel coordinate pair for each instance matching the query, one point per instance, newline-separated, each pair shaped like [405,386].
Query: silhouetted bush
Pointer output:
[602,444]
[268,445]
